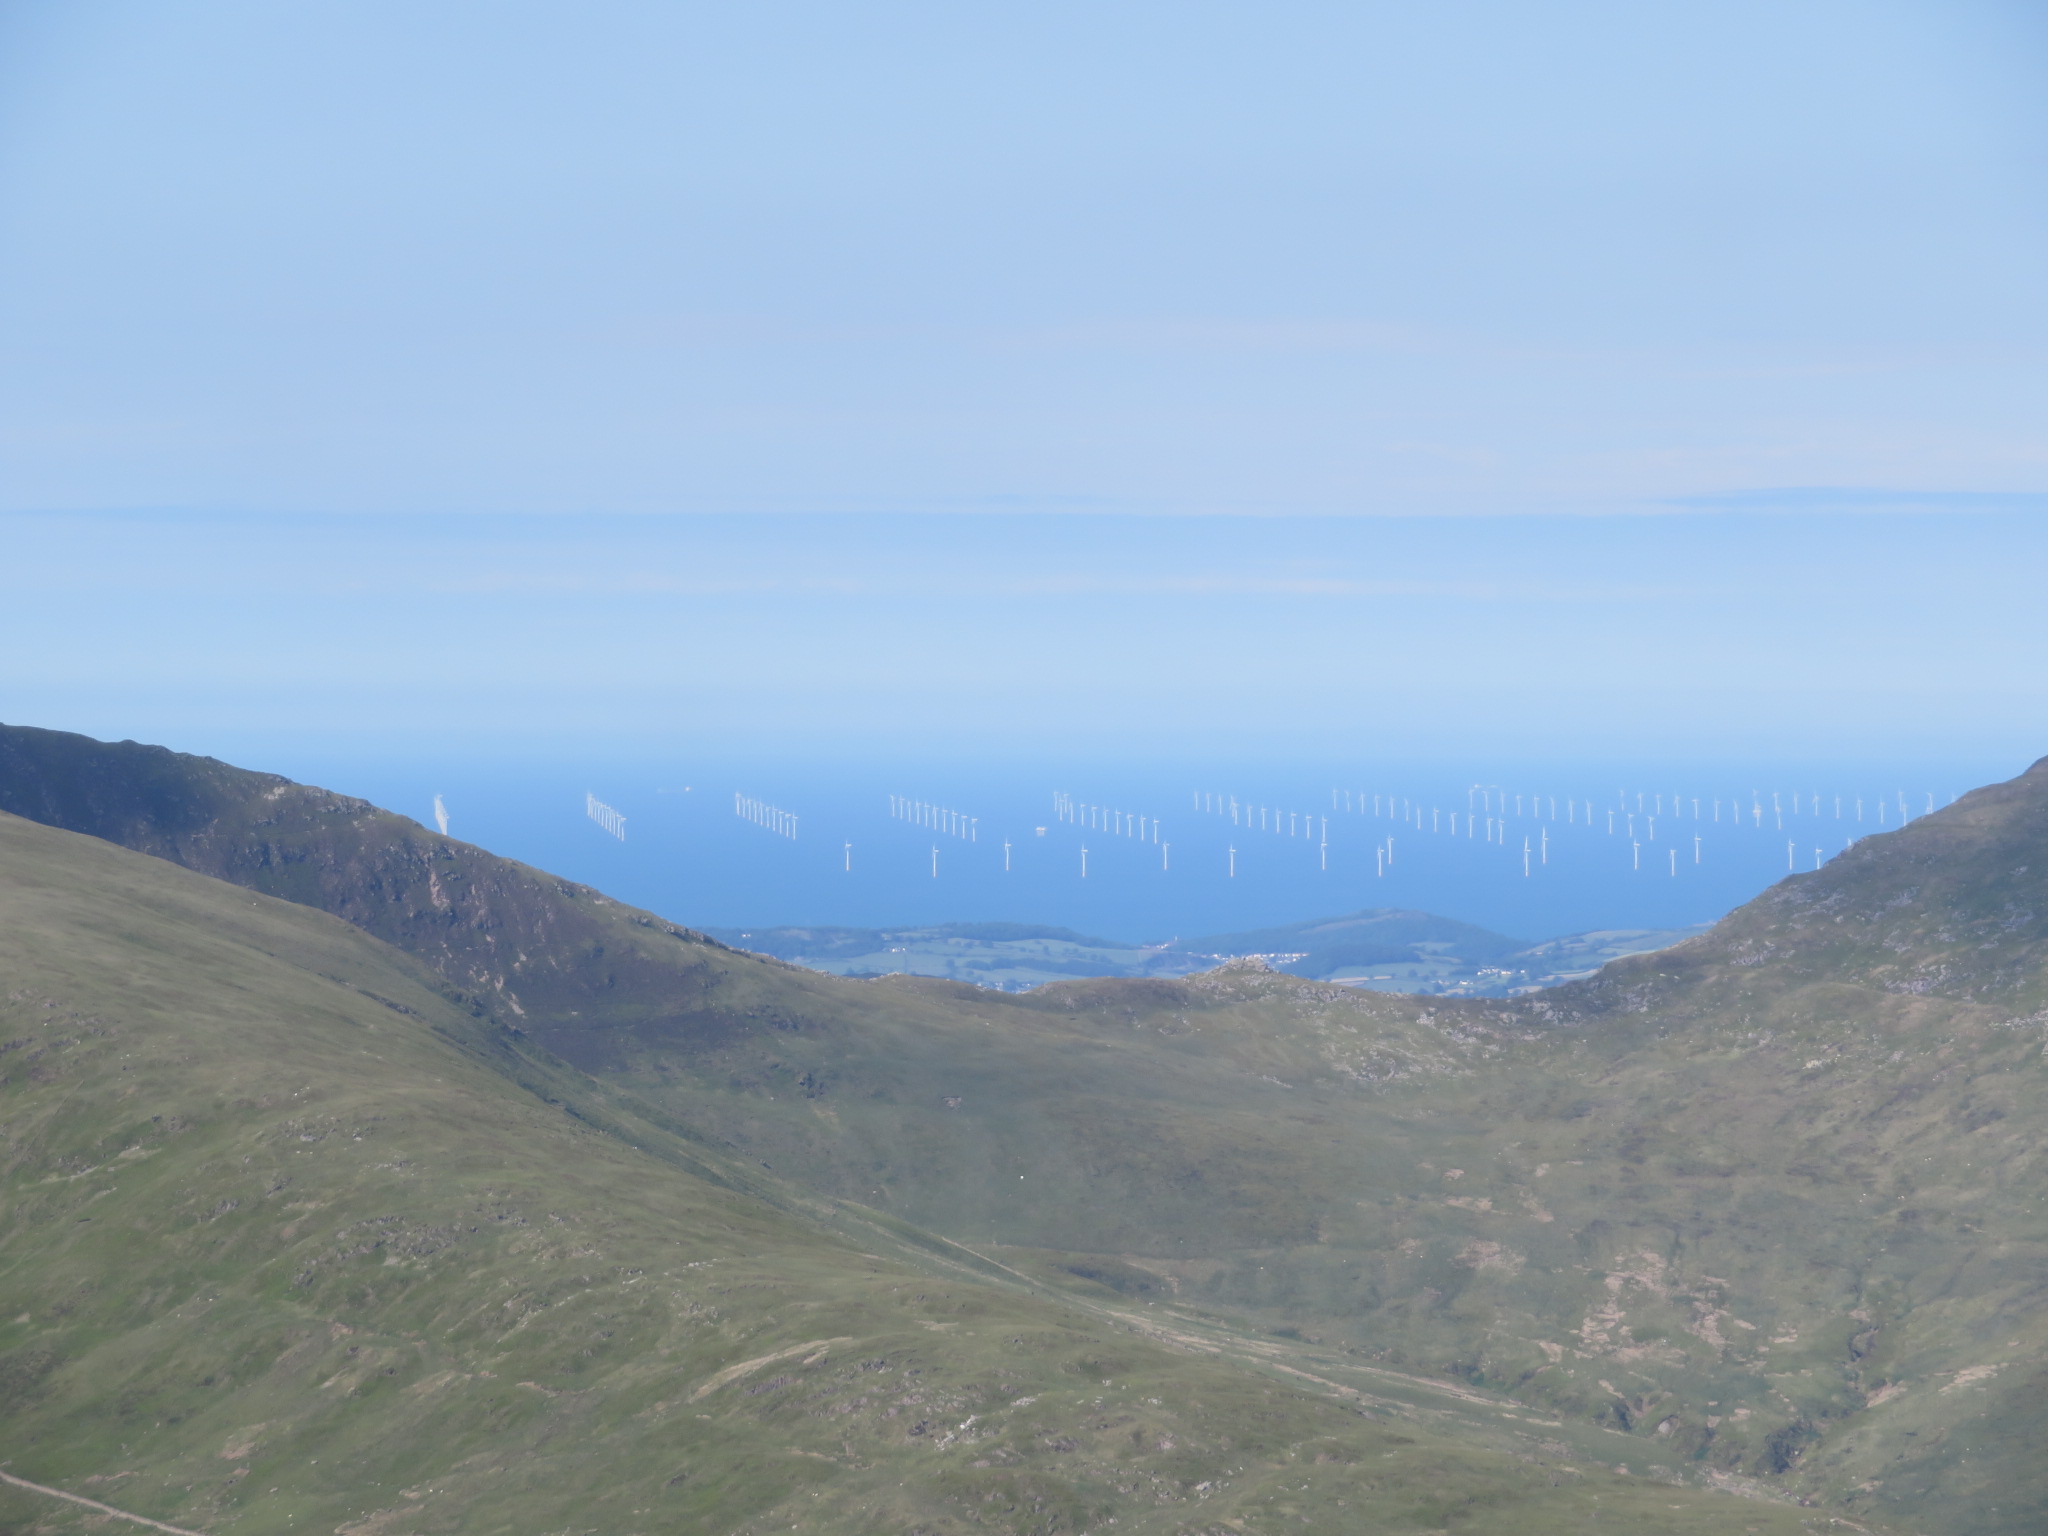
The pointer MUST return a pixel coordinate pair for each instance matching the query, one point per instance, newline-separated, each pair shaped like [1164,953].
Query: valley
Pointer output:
[1756,1217]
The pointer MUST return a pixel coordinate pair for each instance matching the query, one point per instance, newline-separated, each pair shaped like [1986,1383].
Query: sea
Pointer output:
[1151,852]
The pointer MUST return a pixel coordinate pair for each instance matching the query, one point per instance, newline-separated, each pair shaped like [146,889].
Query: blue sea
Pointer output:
[1147,853]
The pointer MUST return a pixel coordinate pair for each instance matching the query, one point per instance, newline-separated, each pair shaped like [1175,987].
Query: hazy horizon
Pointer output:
[1315,390]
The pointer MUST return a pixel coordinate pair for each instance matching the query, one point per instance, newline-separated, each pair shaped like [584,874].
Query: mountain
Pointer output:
[293,1239]
[1762,1210]
[557,960]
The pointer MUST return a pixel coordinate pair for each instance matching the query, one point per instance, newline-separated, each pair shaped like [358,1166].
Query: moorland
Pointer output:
[358,1179]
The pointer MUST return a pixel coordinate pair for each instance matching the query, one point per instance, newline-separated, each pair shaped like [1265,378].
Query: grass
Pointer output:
[286,1245]
[1761,1211]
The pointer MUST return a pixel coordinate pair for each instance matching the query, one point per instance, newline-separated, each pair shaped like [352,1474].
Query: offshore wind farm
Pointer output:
[1152,855]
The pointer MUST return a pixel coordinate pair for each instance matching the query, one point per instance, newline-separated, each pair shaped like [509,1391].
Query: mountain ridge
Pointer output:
[1766,1204]
[283,1247]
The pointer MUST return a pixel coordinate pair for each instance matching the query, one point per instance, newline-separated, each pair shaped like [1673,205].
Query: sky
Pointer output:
[1282,379]
[1696,636]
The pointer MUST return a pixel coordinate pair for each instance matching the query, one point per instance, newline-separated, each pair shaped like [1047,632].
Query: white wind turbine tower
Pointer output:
[605,816]
[441,815]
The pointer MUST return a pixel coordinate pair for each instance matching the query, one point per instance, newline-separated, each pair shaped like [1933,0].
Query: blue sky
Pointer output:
[1389,377]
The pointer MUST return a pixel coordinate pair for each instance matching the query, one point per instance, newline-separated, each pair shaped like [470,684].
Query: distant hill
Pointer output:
[1384,949]
[1376,936]
[1759,1212]
[1011,957]
[825,943]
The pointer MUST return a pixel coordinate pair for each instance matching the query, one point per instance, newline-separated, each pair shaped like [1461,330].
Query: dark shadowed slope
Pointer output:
[561,961]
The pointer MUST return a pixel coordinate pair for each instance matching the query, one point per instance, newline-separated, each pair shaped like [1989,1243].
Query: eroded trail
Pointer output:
[95,1505]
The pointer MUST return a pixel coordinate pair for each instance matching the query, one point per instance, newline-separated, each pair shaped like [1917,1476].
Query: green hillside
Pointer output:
[291,1241]
[1762,1210]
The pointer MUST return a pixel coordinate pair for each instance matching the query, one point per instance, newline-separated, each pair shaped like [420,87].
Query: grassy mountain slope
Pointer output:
[784,1063]
[1780,1245]
[548,955]
[1766,1204]
[284,1245]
